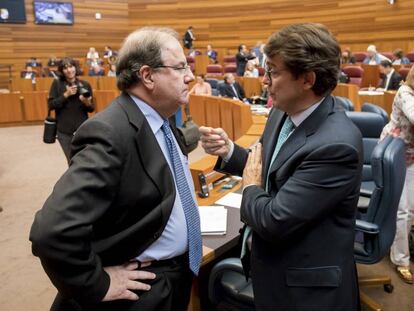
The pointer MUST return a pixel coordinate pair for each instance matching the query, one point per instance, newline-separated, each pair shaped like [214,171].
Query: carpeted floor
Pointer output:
[28,171]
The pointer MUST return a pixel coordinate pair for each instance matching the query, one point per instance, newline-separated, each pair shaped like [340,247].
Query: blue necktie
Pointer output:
[189,206]
[287,127]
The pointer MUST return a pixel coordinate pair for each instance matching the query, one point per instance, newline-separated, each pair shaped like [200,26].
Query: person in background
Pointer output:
[402,125]
[399,58]
[348,57]
[242,57]
[33,62]
[373,57]
[92,57]
[112,71]
[121,229]
[189,38]
[29,73]
[251,71]
[53,61]
[231,88]
[201,87]
[108,52]
[71,99]
[96,70]
[212,55]
[391,79]
[301,183]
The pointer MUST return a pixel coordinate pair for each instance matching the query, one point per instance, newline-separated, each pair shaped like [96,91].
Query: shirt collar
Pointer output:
[154,119]
[299,117]
[390,73]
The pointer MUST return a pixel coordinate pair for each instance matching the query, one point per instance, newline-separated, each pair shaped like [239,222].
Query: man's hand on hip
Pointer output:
[124,281]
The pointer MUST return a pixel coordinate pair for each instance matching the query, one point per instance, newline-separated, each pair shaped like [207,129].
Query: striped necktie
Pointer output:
[192,216]
[287,128]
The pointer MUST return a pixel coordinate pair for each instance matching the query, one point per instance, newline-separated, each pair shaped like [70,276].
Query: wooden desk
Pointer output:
[10,107]
[35,105]
[349,91]
[255,130]
[371,75]
[259,119]
[201,62]
[252,86]
[44,84]
[388,100]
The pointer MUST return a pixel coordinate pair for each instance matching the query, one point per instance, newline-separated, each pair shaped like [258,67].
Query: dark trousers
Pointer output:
[170,291]
[65,140]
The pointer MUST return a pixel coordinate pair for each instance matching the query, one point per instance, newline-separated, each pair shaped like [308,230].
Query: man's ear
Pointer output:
[145,75]
[309,80]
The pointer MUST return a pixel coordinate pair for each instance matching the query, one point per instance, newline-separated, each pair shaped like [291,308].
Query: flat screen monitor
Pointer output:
[55,13]
[12,11]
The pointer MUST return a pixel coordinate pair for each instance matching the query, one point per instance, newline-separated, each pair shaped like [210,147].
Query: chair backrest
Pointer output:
[404,72]
[230,68]
[388,55]
[368,107]
[370,125]
[388,165]
[410,56]
[360,56]
[229,59]
[214,70]
[344,103]
[355,74]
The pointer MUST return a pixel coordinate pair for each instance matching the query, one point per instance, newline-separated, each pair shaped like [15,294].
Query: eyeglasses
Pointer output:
[272,72]
[184,68]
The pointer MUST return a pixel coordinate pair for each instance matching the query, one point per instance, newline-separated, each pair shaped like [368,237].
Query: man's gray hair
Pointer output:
[142,47]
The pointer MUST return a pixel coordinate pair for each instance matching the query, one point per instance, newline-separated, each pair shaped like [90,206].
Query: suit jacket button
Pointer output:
[156,235]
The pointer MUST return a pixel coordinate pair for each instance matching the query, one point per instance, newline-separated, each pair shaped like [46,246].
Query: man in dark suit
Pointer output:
[121,229]
[391,79]
[301,183]
[242,57]
[189,38]
[231,88]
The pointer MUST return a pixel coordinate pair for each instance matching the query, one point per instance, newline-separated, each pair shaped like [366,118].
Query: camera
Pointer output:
[82,90]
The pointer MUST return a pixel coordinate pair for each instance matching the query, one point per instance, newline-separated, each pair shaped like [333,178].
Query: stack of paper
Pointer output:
[213,220]
[231,199]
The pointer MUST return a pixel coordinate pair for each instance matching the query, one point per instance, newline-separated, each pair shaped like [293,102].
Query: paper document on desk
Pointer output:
[213,220]
[231,199]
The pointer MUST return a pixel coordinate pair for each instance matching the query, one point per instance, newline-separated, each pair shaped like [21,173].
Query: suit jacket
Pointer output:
[303,227]
[241,61]
[395,81]
[226,90]
[188,40]
[111,204]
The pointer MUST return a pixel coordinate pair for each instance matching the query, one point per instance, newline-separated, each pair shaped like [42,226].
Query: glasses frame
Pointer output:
[182,68]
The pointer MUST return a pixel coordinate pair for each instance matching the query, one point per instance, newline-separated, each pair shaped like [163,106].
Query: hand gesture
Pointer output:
[252,174]
[70,90]
[86,100]
[215,141]
[124,281]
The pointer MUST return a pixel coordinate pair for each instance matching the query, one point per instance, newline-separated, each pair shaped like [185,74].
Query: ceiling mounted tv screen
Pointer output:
[55,13]
[12,11]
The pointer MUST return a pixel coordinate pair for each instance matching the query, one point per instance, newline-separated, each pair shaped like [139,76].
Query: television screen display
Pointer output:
[12,11]
[47,12]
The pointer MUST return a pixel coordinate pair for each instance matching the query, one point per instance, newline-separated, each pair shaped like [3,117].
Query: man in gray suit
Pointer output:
[301,183]
[121,229]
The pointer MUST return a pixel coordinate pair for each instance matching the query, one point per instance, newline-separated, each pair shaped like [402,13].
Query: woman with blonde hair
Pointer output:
[402,125]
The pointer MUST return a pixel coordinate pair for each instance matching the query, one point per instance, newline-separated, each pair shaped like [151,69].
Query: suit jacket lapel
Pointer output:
[298,138]
[150,153]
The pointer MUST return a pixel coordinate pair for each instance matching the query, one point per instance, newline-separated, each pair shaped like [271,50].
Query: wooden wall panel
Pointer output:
[18,42]
[227,23]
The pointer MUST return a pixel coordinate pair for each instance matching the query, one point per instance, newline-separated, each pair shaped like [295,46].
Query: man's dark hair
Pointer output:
[386,63]
[142,47]
[241,47]
[305,48]
[64,63]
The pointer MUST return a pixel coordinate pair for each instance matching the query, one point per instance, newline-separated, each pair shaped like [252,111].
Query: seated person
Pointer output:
[28,73]
[112,60]
[374,58]
[212,55]
[108,52]
[231,88]
[53,61]
[251,71]
[92,57]
[399,58]
[391,79]
[112,71]
[201,87]
[47,73]
[348,57]
[33,62]
[96,70]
